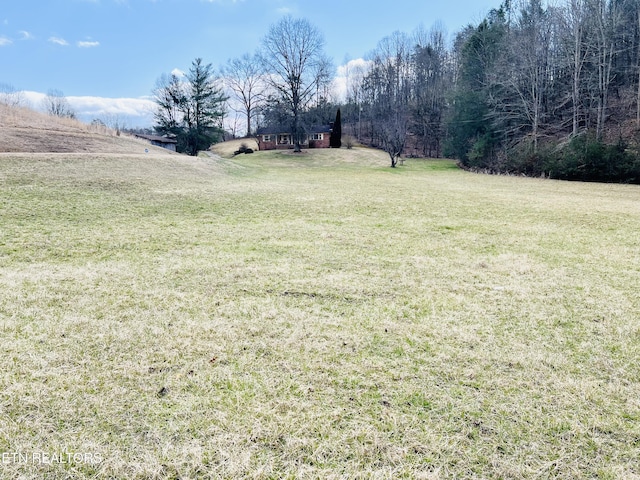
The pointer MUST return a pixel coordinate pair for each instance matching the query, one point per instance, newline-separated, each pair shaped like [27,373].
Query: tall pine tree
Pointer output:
[191,108]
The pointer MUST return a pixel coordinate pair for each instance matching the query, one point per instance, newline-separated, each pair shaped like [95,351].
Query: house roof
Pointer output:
[282,129]
[157,138]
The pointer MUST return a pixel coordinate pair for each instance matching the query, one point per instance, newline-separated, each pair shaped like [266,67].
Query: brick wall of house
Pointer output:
[324,143]
[321,140]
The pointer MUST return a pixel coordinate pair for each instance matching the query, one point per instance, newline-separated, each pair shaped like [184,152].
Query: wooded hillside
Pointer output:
[534,88]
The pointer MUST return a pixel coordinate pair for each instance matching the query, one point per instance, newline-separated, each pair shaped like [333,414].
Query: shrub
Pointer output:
[589,160]
[244,148]
[348,141]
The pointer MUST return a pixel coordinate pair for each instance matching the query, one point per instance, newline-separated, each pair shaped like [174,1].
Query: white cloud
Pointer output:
[58,41]
[178,73]
[34,99]
[87,44]
[4,41]
[359,64]
[99,106]
[26,35]
[349,74]
[132,111]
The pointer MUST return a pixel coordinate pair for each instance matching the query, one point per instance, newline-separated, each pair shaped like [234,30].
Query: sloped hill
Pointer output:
[324,157]
[25,130]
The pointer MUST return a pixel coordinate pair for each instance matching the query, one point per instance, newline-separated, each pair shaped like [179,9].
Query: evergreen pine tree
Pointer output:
[191,108]
[335,141]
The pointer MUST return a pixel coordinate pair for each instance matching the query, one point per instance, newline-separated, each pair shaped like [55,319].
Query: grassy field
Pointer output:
[314,316]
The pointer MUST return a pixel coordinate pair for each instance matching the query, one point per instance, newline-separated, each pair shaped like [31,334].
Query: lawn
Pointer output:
[314,316]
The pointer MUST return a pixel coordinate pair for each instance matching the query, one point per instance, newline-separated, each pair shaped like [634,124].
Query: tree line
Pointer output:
[535,88]
[550,90]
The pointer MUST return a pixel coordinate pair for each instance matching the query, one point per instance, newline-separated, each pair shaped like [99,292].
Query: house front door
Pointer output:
[284,139]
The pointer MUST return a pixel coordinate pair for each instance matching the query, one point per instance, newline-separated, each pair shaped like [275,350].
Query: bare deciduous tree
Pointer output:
[57,105]
[637,66]
[575,28]
[355,72]
[243,76]
[526,78]
[388,91]
[295,66]
[393,134]
[11,97]
[115,122]
[605,18]
[431,77]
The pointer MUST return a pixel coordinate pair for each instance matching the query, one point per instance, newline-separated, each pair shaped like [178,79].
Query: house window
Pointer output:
[316,136]
[268,138]
[283,139]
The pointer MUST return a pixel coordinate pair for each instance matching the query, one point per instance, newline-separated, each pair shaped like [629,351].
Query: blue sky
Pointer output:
[110,52]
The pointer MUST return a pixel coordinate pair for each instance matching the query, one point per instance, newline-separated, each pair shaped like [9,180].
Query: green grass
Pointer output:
[315,316]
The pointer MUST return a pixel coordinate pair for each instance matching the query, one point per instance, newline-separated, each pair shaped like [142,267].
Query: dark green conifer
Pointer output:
[335,141]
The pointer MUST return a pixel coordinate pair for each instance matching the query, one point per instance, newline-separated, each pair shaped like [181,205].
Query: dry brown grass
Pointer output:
[25,130]
[226,149]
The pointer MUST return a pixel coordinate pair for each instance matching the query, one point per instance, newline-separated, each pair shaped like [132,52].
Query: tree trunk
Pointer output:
[296,134]
[577,64]
[608,22]
[604,78]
